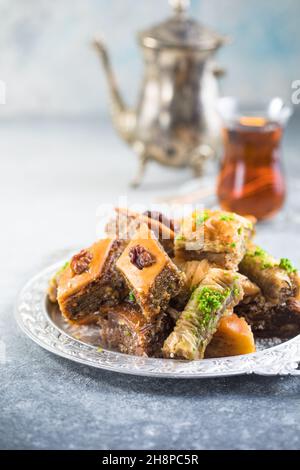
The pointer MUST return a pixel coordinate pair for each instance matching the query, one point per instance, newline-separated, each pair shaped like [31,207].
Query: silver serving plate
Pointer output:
[45,326]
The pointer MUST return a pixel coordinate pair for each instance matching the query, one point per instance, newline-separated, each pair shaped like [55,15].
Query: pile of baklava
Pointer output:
[189,289]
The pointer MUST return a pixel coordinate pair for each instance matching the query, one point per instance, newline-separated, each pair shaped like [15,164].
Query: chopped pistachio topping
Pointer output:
[227,218]
[236,291]
[259,252]
[287,265]
[179,237]
[211,300]
[240,230]
[267,265]
[202,217]
[131,296]
[266,261]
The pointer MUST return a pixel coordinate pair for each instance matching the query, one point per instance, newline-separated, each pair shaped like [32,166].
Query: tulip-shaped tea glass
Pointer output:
[251,180]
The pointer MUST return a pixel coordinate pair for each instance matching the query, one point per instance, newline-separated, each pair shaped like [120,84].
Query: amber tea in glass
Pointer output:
[251,180]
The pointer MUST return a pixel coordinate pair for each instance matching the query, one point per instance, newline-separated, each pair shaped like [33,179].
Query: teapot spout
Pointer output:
[124,119]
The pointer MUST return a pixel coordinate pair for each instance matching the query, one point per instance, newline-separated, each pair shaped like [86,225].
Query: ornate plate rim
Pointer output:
[32,318]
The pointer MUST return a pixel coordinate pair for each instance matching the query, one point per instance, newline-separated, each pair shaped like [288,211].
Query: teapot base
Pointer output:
[196,161]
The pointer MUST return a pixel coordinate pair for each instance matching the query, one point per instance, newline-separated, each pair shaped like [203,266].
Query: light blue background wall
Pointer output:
[50,69]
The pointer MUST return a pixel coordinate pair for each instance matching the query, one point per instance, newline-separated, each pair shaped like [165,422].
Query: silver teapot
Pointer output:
[175,122]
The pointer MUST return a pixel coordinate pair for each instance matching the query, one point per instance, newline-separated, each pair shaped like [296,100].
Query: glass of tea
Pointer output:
[251,179]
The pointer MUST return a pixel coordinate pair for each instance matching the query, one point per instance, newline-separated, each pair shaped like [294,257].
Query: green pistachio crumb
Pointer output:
[259,252]
[131,296]
[201,218]
[227,217]
[211,300]
[267,266]
[265,262]
[236,291]
[287,265]
[179,237]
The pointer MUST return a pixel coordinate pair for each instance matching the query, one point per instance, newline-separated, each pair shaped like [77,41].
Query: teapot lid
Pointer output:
[180,31]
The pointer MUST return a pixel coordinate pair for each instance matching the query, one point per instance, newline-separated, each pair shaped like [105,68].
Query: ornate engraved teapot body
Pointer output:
[175,122]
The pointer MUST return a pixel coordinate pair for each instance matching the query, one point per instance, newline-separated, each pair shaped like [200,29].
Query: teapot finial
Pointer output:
[179,6]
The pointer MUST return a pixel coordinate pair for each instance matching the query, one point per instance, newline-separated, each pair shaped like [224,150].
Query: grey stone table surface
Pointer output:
[53,176]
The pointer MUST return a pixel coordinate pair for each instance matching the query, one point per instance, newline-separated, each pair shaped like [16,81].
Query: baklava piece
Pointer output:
[163,228]
[126,222]
[232,338]
[125,329]
[275,310]
[268,320]
[251,291]
[278,280]
[219,291]
[90,281]
[194,271]
[151,275]
[220,237]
